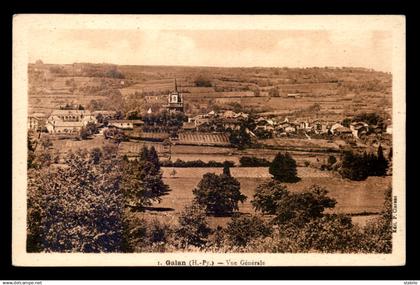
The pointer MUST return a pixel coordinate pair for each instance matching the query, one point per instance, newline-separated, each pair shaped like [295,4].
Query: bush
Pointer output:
[196,163]
[252,161]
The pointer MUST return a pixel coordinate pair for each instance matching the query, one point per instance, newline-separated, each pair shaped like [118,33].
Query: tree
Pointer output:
[331,160]
[119,115]
[219,194]
[252,161]
[346,122]
[299,208]
[77,208]
[359,167]
[144,153]
[329,233]
[96,155]
[354,166]
[268,195]
[193,228]
[142,184]
[378,233]
[152,182]
[100,118]
[153,157]
[283,168]
[380,165]
[370,118]
[46,143]
[89,130]
[201,81]
[31,161]
[240,139]
[226,168]
[243,229]
[142,181]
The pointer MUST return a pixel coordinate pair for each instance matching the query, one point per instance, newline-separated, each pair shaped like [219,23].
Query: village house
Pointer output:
[264,124]
[339,129]
[241,115]
[125,124]
[320,126]
[359,128]
[305,126]
[68,121]
[228,114]
[189,126]
[196,121]
[231,123]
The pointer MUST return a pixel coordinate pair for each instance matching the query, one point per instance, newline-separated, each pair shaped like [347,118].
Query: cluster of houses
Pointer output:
[71,121]
[278,128]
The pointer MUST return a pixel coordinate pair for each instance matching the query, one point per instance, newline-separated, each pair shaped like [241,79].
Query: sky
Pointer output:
[228,48]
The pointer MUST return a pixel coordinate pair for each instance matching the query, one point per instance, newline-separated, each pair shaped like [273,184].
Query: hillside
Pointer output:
[327,93]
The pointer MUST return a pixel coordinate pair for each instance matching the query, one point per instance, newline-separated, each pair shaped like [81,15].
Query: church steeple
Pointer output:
[175,101]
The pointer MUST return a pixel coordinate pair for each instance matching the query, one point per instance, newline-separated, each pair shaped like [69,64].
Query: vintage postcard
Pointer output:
[174,140]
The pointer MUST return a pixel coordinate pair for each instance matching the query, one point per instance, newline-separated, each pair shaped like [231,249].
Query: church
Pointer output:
[175,101]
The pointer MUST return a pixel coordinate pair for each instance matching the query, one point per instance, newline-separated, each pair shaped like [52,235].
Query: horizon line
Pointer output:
[218,66]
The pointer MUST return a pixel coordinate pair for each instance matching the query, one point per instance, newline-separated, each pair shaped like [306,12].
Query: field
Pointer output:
[64,146]
[352,197]
[186,138]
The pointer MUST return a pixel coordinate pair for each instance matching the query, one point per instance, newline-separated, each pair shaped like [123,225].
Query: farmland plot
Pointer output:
[219,139]
[352,196]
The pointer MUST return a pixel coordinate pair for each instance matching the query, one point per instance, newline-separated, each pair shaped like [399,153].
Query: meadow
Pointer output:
[362,199]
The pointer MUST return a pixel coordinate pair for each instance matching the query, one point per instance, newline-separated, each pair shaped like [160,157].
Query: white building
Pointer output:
[68,121]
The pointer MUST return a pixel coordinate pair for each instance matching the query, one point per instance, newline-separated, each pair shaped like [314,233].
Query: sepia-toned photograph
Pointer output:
[208,140]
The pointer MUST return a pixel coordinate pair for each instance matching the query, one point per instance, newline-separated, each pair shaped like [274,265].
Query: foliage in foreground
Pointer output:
[75,209]
[81,207]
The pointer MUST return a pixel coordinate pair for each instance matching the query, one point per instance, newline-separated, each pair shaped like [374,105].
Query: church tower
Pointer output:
[175,101]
